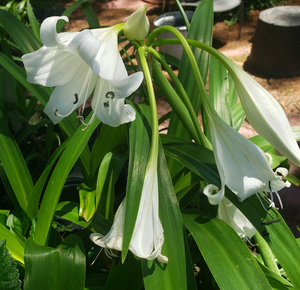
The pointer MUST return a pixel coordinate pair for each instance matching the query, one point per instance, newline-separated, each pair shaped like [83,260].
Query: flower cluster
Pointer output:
[79,64]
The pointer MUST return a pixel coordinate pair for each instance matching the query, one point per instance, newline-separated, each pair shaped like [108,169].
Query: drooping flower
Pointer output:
[242,166]
[148,235]
[137,25]
[79,64]
[229,213]
[265,114]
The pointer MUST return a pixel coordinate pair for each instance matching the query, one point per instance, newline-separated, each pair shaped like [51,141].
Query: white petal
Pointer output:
[51,66]
[114,238]
[112,112]
[48,32]
[63,97]
[108,62]
[244,166]
[148,238]
[86,46]
[213,193]
[229,213]
[124,87]
[266,115]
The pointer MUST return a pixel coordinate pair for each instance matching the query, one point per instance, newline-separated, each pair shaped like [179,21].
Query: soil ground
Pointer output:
[286,90]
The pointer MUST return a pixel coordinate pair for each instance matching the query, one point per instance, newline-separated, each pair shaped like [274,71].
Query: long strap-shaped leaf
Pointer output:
[13,244]
[178,273]
[277,235]
[14,165]
[57,180]
[229,260]
[201,30]
[55,268]
[68,125]
[22,36]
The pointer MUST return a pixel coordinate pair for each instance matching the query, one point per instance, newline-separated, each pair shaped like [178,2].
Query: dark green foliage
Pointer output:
[9,275]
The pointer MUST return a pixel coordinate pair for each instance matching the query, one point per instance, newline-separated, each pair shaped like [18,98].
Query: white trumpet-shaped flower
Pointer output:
[148,235]
[265,114]
[229,213]
[78,64]
[242,166]
[137,25]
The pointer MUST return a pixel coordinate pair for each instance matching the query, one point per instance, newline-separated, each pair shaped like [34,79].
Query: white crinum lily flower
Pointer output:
[242,166]
[79,64]
[265,114]
[137,25]
[148,235]
[229,213]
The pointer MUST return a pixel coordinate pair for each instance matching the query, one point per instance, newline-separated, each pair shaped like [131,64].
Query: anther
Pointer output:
[110,95]
[55,111]
[76,99]
[106,104]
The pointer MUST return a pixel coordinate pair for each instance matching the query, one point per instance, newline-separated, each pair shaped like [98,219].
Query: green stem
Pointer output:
[214,52]
[155,133]
[186,100]
[266,253]
[181,40]
[174,100]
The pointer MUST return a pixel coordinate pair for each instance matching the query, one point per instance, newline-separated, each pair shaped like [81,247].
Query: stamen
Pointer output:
[271,194]
[249,241]
[261,202]
[55,111]
[110,254]
[96,257]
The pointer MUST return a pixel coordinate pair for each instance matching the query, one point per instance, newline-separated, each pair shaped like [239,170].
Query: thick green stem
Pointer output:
[174,100]
[181,40]
[214,52]
[203,140]
[155,133]
[266,253]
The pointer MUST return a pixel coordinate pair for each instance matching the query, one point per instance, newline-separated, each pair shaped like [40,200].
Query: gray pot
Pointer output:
[174,19]
[275,51]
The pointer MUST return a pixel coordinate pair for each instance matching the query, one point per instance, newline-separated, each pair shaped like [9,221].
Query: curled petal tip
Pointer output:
[214,194]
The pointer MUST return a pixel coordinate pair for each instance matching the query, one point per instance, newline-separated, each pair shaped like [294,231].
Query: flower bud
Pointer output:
[137,25]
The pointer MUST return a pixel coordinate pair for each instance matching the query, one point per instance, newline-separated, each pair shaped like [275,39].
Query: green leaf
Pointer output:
[127,276]
[139,144]
[22,36]
[191,155]
[55,268]
[271,276]
[33,22]
[68,12]
[231,263]
[9,275]
[66,162]
[108,174]
[178,273]
[107,140]
[14,165]
[13,244]
[90,15]
[87,199]
[70,211]
[277,234]
[203,17]
[34,198]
